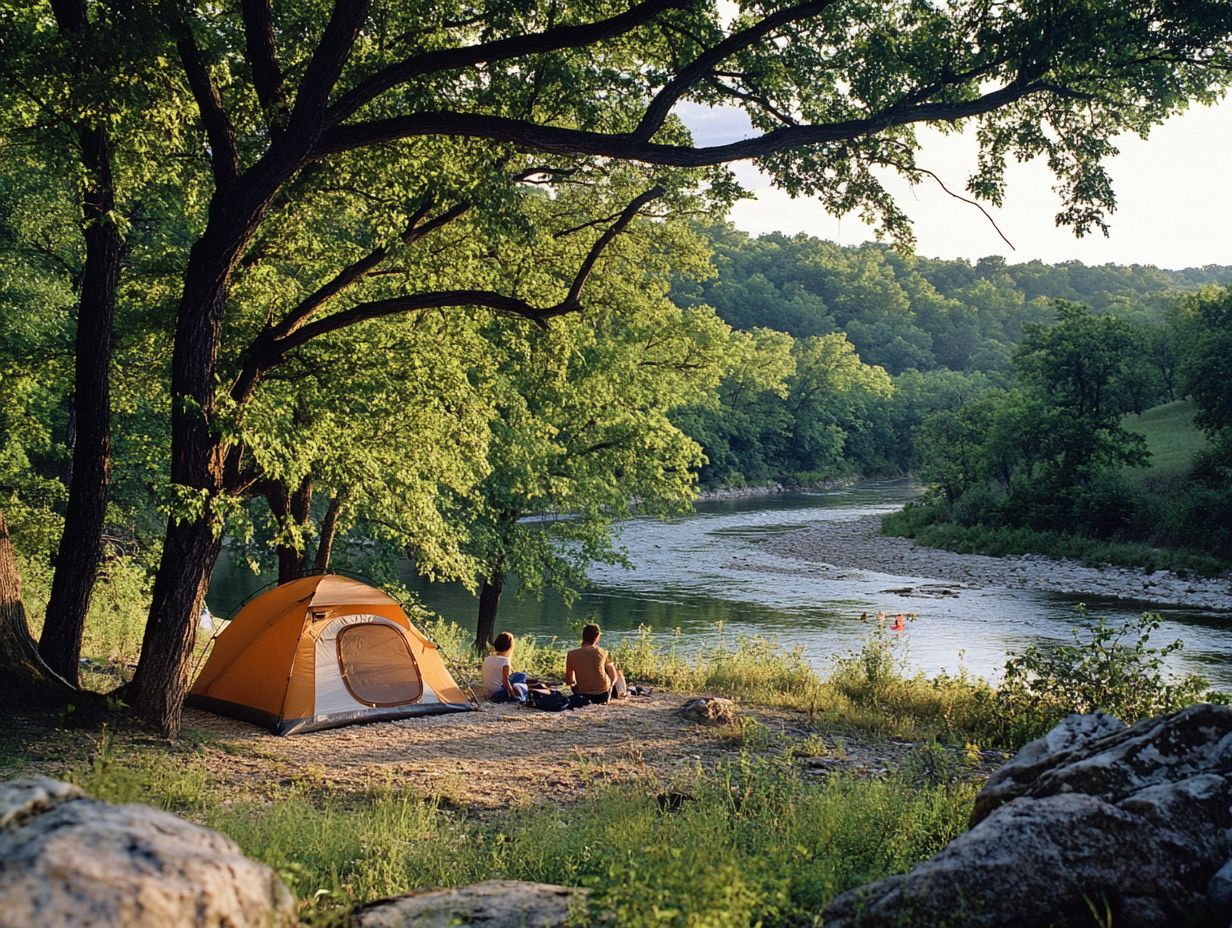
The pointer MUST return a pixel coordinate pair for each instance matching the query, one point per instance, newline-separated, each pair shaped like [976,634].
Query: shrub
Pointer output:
[1114,670]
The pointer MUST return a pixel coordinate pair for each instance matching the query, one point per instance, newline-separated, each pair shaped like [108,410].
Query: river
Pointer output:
[704,574]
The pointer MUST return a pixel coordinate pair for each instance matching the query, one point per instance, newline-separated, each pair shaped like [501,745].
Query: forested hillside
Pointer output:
[930,336]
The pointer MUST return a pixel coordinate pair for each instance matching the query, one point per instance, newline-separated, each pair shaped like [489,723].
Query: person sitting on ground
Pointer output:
[500,684]
[591,673]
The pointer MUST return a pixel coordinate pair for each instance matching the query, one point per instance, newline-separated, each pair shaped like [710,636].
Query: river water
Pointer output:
[704,575]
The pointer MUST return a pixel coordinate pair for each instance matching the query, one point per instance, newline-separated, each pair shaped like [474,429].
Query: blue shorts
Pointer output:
[518,682]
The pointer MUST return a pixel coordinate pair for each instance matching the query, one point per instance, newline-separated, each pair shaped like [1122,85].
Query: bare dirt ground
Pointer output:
[510,755]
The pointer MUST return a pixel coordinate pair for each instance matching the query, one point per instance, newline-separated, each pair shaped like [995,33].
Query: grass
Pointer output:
[753,843]
[1171,437]
[915,522]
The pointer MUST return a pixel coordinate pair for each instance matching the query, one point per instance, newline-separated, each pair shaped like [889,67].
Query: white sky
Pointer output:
[1174,198]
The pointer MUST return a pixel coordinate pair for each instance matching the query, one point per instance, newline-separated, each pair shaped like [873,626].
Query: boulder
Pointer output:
[1072,734]
[1093,822]
[710,710]
[495,904]
[71,861]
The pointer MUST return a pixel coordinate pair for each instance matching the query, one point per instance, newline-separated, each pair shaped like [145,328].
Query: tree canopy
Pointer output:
[255,186]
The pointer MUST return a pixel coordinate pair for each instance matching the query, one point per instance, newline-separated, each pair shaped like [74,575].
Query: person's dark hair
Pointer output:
[503,642]
[590,634]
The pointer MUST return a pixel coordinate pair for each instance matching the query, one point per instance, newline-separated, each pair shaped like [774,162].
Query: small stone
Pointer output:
[710,710]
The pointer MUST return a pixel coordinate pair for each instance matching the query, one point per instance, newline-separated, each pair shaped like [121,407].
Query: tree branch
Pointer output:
[910,168]
[224,157]
[264,350]
[559,140]
[354,272]
[263,58]
[487,299]
[535,43]
[659,108]
[326,66]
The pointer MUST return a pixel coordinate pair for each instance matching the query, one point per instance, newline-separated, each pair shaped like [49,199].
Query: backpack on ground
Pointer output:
[548,700]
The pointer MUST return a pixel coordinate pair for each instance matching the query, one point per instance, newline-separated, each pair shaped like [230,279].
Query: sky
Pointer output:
[1174,198]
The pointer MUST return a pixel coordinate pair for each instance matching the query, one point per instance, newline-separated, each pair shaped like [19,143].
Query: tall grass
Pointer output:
[753,843]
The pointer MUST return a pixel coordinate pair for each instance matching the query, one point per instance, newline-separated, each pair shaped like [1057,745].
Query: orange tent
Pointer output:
[320,652]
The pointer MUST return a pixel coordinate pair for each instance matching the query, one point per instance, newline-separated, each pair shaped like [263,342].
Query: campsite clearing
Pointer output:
[499,756]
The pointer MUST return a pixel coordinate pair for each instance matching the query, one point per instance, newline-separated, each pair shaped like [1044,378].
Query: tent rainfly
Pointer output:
[320,652]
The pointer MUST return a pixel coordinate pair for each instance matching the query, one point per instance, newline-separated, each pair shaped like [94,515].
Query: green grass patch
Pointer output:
[1171,437]
[753,843]
[1000,541]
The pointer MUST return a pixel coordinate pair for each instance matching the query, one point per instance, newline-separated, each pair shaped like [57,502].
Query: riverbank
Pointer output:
[777,488]
[858,544]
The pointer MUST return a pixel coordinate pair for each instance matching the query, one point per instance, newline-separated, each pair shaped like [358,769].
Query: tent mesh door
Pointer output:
[377,666]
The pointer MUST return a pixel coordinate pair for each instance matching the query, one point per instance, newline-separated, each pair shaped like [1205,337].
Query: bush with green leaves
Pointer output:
[1108,668]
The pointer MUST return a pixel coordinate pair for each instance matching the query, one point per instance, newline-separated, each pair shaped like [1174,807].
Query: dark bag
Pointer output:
[549,701]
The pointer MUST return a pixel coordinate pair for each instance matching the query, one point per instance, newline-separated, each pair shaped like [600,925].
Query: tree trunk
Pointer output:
[489,602]
[81,545]
[329,529]
[294,508]
[194,540]
[25,679]
[197,453]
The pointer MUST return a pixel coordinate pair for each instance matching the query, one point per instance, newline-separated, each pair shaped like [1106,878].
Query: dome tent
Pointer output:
[320,652]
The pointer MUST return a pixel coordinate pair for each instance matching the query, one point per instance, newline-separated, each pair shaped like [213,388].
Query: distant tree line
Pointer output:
[946,332]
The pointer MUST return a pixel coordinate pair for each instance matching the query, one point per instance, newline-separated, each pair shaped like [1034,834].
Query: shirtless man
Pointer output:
[590,672]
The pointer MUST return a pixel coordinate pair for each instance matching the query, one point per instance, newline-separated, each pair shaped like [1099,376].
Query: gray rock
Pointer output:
[70,861]
[1219,890]
[21,800]
[710,710]
[496,904]
[1134,823]
[1012,778]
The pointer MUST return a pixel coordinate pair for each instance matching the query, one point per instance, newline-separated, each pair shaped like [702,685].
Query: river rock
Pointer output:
[710,710]
[1134,823]
[495,904]
[74,862]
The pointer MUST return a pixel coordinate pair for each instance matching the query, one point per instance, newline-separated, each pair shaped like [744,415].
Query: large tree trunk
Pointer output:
[197,453]
[489,602]
[329,530]
[194,540]
[25,679]
[81,541]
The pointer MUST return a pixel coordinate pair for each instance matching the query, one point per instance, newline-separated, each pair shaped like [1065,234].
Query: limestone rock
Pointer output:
[1071,734]
[1134,823]
[710,710]
[21,800]
[74,862]
[495,904]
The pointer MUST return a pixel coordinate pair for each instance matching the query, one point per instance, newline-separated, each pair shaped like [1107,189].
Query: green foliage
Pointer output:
[1113,669]
[1050,465]
[927,523]
[1205,319]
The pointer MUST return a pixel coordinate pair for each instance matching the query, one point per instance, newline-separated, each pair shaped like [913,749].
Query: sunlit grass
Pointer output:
[1171,437]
